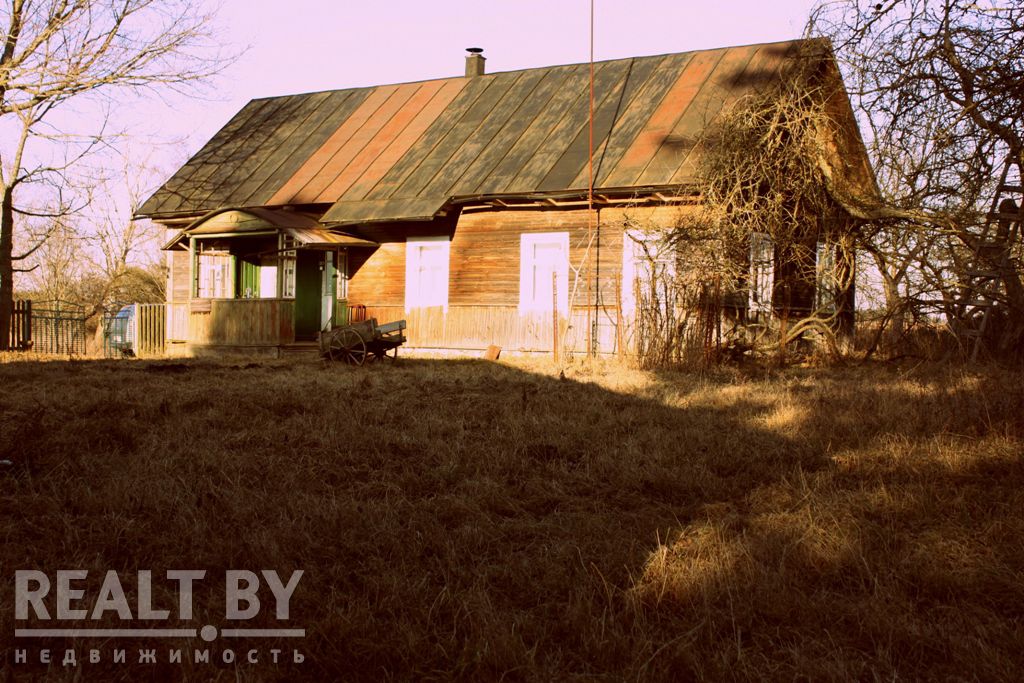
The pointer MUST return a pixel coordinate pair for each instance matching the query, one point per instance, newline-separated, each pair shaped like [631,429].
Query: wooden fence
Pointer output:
[270,322]
[135,330]
[478,326]
[21,326]
[58,328]
[150,329]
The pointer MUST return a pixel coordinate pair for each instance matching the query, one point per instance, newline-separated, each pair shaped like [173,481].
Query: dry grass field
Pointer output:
[478,521]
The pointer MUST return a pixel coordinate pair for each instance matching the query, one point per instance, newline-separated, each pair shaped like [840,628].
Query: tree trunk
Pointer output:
[845,302]
[1011,276]
[6,267]
[895,317]
[896,312]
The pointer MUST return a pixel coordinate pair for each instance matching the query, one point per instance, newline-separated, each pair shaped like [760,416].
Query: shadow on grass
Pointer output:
[469,520]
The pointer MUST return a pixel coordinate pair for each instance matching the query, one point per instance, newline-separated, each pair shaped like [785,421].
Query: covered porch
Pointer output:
[260,280]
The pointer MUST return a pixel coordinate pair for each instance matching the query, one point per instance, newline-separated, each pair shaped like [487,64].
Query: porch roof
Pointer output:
[313,238]
[307,231]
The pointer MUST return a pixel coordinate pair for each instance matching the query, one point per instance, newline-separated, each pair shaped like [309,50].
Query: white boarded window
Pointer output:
[426,272]
[543,256]
[828,282]
[214,276]
[648,267]
[762,272]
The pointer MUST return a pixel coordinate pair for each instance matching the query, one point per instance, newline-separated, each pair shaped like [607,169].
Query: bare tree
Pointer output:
[57,267]
[101,257]
[125,253]
[771,188]
[937,87]
[84,51]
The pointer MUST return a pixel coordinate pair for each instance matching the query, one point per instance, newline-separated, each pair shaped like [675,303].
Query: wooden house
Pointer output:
[459,204]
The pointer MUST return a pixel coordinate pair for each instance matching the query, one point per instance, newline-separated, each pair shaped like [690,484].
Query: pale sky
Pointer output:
[307,45]
[297,46]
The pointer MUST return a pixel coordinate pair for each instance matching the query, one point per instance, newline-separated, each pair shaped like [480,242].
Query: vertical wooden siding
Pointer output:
[477,327]
[177,322]
[151,329]
[243,322]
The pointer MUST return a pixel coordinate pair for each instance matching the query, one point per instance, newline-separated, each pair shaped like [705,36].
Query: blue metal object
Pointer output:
[119,337]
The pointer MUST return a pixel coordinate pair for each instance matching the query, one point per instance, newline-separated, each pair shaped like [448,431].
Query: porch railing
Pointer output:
[241,322]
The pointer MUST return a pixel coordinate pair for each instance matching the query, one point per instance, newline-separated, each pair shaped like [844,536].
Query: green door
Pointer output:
[249,278]
[307,294]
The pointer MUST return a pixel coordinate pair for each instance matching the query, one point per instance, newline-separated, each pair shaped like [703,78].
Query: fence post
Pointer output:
[165,319]
[136,333]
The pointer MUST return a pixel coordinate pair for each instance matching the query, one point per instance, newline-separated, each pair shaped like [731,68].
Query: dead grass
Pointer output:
[475,521]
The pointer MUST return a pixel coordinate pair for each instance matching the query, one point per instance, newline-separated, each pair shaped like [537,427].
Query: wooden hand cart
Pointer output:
[364,341]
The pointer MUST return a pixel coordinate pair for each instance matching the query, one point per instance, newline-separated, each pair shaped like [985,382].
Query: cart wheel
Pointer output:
[348,346]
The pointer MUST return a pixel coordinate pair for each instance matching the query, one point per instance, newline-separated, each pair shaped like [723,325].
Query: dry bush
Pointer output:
[478,521]
[763,170]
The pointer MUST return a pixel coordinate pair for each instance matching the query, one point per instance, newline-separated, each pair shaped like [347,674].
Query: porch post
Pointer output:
[193,269]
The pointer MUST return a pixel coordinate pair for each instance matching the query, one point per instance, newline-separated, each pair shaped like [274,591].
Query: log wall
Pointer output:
[484,274]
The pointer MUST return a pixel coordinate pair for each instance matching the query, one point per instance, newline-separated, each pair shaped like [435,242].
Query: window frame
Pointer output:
[528,303]
[341,275]
[209,263]
[646,258]
[415,297]
[762,274]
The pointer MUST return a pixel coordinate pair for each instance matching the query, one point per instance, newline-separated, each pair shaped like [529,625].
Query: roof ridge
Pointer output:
[535,68]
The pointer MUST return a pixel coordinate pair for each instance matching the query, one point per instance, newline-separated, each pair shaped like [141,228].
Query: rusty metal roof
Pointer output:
[227,221]
[404,151]
[312,238]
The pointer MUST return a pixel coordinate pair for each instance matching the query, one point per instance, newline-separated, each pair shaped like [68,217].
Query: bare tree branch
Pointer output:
[60,51]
